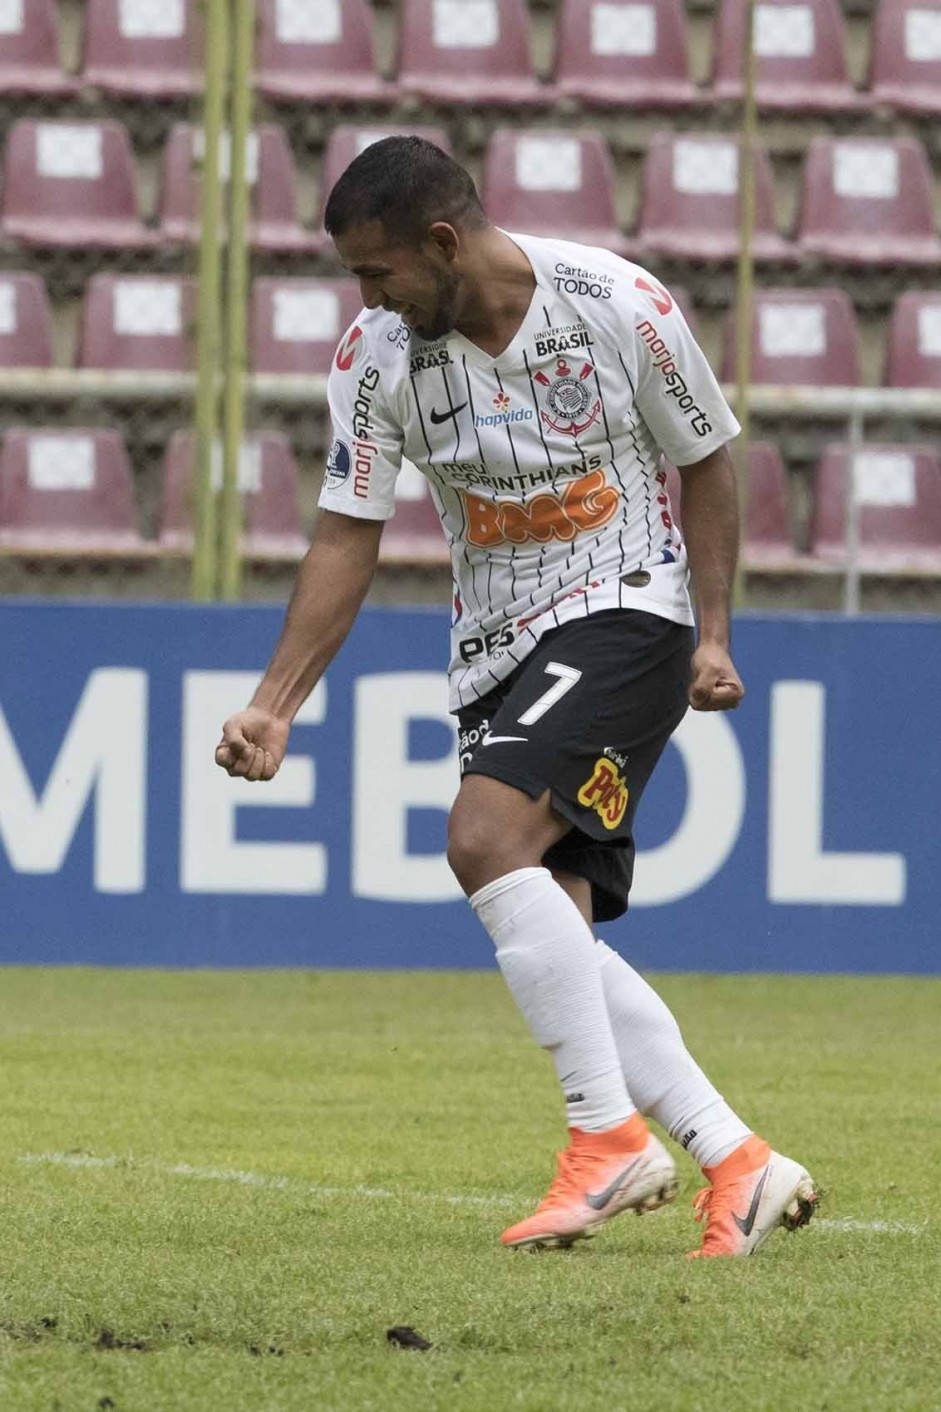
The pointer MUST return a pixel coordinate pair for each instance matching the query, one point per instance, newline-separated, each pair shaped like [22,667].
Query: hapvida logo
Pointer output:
[503,415]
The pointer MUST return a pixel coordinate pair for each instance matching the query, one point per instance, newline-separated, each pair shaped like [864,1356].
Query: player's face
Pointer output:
[417,282]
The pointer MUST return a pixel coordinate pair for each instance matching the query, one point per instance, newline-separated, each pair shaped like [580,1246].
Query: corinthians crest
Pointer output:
[570,409]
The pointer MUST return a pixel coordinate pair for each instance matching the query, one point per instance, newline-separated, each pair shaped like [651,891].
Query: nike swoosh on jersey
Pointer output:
[499,739]
[599,1200]
[439,417]
[746,1225]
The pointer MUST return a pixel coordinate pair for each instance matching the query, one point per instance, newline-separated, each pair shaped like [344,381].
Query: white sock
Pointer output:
[664,1080]
[550,961]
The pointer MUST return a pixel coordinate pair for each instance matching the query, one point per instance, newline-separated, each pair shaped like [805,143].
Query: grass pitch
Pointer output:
[220,1191]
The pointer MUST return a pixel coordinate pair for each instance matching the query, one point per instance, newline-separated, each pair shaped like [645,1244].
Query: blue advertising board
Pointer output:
[798,834]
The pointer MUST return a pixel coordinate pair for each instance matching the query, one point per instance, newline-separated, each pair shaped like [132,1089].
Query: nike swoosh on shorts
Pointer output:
[499,739]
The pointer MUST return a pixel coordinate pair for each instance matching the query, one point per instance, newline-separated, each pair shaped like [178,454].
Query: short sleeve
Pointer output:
[676,391]
[366,445]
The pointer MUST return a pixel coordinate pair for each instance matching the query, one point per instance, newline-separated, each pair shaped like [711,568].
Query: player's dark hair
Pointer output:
[407,183]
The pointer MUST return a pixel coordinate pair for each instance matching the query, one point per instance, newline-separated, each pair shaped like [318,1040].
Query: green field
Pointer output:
[220,1191]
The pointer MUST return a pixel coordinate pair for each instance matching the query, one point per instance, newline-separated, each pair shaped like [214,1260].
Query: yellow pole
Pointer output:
[209,320]
[233,421]
[745,279]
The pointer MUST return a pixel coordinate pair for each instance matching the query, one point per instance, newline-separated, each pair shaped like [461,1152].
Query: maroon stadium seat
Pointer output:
[899,496]
[67,491]
[140,322]
[348,140]
[913,346]
[868,201]
[469,51]
[768,542]
[690,204]
[806,337]
[555,183]
[296,324]
[318,53]
[269,485]
[624,54]
[413,537]
[25,322]
[72,184]
[273,176]
[144,50]
[29,51]
[800,58]
[905,70]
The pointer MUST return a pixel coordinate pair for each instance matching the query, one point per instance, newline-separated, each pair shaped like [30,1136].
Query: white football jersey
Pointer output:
[544,462]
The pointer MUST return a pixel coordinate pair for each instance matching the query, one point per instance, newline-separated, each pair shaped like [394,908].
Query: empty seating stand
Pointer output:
[318,53]
[25,322]
[867,201]
[139,322]
[768,541]
[139,49]
[414,538]
[29,51]
[624,54]
[690,201]
[471,52]
[913,345]
[553,183]
[72,184]
[800,58]
[898,492]
[800,337]
[67,492]
[272,174]
[296,324]
[905,71]
[268,483]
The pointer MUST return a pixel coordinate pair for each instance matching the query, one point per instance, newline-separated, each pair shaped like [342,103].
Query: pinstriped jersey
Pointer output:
[543,462]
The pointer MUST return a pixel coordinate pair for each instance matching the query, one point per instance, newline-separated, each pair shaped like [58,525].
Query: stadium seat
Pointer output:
[690,205]
[768,543]
[348,140]
[268,481]
[899,496]
[800,56]
[800,337]
[67,491]
[139,322]
[555,183]
[905,70]
[144,49]
[318,51]
[25,322]
[414,537]
[913,344]
[29,51]
[271,172]
[624,54]
[296,324]
[469,52]
[867,201]
[72,184]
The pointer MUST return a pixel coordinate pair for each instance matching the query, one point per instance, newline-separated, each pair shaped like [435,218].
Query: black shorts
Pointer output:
[586,716]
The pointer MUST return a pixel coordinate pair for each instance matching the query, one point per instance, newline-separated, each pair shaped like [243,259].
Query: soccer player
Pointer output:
[536,383]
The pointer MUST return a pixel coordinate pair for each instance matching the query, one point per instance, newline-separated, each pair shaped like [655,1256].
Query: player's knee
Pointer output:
[470,849]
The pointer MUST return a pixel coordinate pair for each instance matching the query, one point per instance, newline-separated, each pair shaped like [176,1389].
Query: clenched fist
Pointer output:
[253,744]
[714,685]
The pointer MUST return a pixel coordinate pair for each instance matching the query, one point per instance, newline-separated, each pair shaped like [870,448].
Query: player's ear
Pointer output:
[444,240]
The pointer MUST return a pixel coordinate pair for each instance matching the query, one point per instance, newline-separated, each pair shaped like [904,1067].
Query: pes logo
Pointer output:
[606,792]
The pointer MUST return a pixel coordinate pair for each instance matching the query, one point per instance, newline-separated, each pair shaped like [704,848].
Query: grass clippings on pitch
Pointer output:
[222,1192]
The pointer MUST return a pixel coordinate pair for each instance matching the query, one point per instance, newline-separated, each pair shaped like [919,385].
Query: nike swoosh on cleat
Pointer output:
[439,417]
[598,1201]
[499,739]
[746,1225]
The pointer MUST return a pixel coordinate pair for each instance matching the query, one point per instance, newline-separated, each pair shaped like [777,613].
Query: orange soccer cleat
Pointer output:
[599,1175]
[752,1192]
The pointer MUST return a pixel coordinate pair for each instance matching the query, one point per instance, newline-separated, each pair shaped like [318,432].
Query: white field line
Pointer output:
[374,1193]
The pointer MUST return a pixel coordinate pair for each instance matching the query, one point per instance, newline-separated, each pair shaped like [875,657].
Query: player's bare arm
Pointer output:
[331,584]
[710,518]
